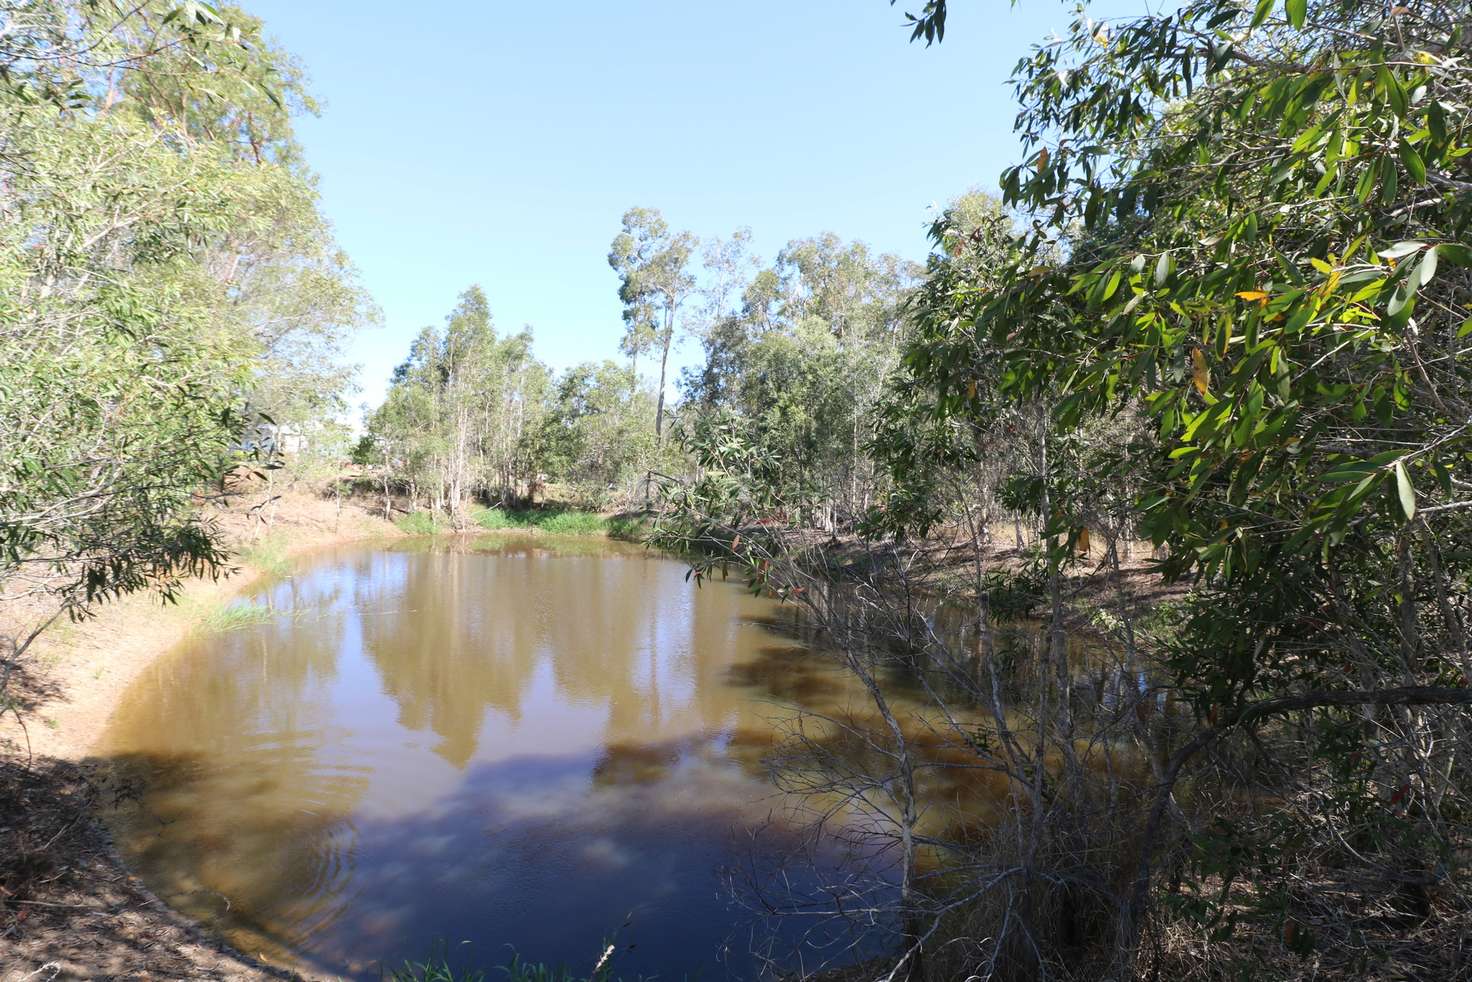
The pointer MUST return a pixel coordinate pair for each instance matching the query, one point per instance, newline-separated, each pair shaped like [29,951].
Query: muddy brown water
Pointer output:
[509,746]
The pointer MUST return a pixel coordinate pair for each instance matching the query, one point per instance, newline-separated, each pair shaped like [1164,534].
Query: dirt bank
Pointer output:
[68,907]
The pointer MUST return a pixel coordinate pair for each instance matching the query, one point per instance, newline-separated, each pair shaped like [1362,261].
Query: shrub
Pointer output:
[629,527]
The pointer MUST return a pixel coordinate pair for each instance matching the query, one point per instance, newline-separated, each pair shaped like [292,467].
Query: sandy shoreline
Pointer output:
[72,909]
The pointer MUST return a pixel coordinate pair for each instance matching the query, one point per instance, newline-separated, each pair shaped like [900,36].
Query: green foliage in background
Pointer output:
[421,523]
[597,437]
[461,414]
[796,356]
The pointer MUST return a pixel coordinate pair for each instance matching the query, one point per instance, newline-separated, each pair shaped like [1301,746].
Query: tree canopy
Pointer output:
[170,291]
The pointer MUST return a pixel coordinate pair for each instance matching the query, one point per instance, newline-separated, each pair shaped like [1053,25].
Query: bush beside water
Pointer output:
[548,520]
[554,522]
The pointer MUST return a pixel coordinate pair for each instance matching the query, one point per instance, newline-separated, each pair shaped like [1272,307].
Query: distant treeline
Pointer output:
[797,351]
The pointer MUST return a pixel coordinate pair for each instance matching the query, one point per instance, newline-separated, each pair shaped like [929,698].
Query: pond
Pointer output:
[485,748]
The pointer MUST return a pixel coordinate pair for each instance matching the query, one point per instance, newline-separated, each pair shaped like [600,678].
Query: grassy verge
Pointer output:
[630,527]
[553,522]
[421,523]
[548,520]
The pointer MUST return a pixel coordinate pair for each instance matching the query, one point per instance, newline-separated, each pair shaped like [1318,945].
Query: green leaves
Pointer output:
[1365,184]
[1389,180]
[1389,86]
[133,381]
[1426,268]
[1400,250]
[1414,165]
[1164,266]
[1406,493]
[1402,301]
[194,12]
[1261,315]
[929,24]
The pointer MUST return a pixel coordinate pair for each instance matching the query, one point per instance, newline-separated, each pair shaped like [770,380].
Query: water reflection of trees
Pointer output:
[685,696]
[627,634]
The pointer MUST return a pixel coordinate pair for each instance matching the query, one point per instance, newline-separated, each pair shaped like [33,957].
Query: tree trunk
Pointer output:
[664,358]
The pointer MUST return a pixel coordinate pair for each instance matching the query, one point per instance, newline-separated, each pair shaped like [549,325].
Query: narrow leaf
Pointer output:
[1200,374]
[1407,493]
[1163,268]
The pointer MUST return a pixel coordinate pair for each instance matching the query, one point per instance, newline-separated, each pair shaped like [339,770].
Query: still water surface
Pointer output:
[512,742]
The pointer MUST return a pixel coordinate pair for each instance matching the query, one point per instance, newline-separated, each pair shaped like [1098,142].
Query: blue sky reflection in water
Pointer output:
[522,744]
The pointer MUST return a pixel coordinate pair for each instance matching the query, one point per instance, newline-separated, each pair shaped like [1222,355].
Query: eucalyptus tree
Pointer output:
[62,54]
[463,413]
[145,267]
[595,437]
[796,354]
[293,290]
[1248,227]
[1235,312]
[655,280]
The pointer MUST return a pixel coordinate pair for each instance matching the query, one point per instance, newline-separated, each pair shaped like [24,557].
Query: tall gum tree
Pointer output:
[655,280]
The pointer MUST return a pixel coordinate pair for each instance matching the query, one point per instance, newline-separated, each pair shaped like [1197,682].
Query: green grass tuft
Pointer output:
[434,970]
[233,617]
[438,969]
[494,518]
[420,523]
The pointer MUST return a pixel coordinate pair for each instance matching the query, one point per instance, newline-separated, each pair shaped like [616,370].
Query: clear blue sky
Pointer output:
[499,143]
